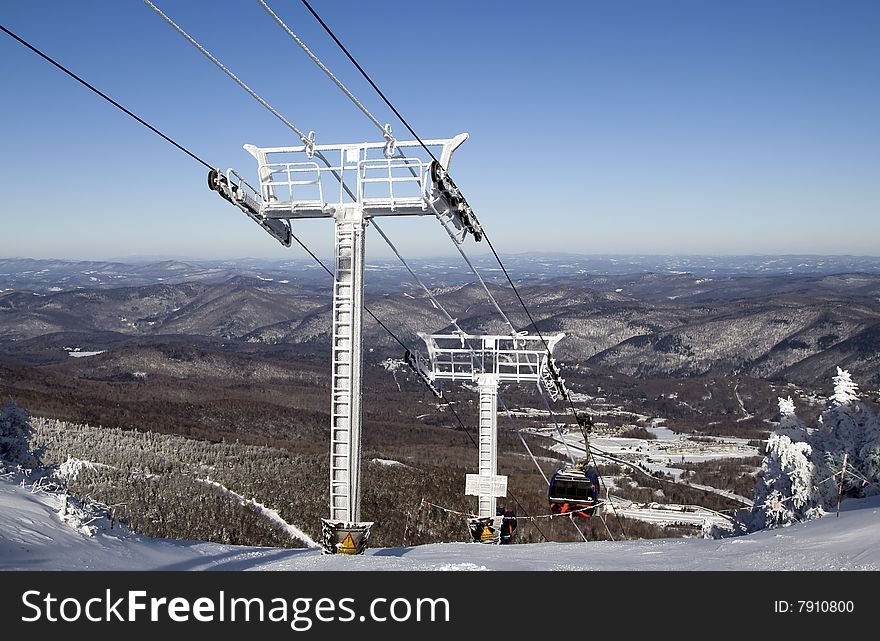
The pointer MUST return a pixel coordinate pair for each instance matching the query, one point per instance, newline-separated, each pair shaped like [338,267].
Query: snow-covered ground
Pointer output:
[658,455]
[76,352]
[32,537]
[669,448]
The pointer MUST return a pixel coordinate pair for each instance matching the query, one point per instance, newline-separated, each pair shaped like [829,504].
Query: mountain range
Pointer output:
[785,327]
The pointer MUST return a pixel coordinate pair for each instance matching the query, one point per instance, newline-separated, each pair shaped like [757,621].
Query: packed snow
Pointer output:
[33,537]
[76,352]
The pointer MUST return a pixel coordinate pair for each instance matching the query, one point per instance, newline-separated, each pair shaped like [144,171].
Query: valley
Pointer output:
[680,373]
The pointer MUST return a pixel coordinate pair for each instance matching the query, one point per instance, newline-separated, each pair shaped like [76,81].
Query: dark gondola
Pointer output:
[574,489]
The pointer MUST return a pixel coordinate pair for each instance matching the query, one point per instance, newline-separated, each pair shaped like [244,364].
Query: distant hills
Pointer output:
[24,274]
[773,324]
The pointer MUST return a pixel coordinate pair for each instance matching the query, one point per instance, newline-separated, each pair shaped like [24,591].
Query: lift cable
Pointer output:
[385,130]
[105,97]
[307,140]
[482,282]
[437,304]
[366,309]
[176,144]
[322,66]
[367,77]
[222,67]
[416,136]
[523,440]
[180,147]
[556,425]
[209,166]
[491,246]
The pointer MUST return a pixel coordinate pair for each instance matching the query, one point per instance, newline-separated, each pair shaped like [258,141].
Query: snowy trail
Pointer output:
[746,415]
[268,512]
[33,538]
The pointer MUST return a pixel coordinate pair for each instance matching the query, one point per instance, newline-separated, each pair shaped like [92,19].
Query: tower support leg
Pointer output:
[343,532]
[486,527]
[488,440]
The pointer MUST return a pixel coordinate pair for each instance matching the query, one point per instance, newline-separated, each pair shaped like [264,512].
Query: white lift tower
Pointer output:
[489,360]
[350,183]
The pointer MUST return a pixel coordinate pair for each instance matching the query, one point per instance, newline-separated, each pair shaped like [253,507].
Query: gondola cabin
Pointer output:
[574,490]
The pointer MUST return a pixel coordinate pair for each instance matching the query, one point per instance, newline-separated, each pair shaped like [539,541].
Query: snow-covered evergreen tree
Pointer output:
[786,409]
[786,492]
[789,423]
[848,433]
[16,432]
[868,462]
[845,390]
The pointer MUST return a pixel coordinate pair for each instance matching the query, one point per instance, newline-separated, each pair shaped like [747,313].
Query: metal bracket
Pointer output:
[552,379]
[452,203]
[420,365]
[310,145]
[390,142]
[245,197]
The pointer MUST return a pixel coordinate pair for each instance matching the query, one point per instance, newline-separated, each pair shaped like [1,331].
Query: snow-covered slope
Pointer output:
[32,537]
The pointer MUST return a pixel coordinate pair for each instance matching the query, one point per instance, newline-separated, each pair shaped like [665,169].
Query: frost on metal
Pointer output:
[488,361]
[319,181]
[350,183]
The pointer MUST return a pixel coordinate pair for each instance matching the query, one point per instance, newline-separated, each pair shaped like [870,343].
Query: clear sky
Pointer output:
[596,127]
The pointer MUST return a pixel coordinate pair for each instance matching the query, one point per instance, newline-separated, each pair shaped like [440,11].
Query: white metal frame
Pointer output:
[294,185]
[362,168]
[489,360]
[514,359]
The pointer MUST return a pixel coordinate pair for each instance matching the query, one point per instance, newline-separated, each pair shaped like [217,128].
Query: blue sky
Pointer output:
[596,127]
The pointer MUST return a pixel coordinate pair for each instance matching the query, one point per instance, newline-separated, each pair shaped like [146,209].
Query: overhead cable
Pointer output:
[105,97]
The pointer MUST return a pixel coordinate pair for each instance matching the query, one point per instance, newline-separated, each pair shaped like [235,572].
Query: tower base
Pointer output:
[486,529]
[342,537]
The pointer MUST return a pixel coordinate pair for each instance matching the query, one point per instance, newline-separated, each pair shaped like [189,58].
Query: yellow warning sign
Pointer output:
[486,535]
[347,546]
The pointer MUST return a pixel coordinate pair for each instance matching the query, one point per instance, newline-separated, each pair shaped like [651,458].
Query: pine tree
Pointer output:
[844,435]
[789,423]
[16,433]
[868,461]
[786,492]
[845,390]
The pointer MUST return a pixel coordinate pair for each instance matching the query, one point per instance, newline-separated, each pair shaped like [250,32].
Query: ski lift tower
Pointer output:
[489,360]
[349,183]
